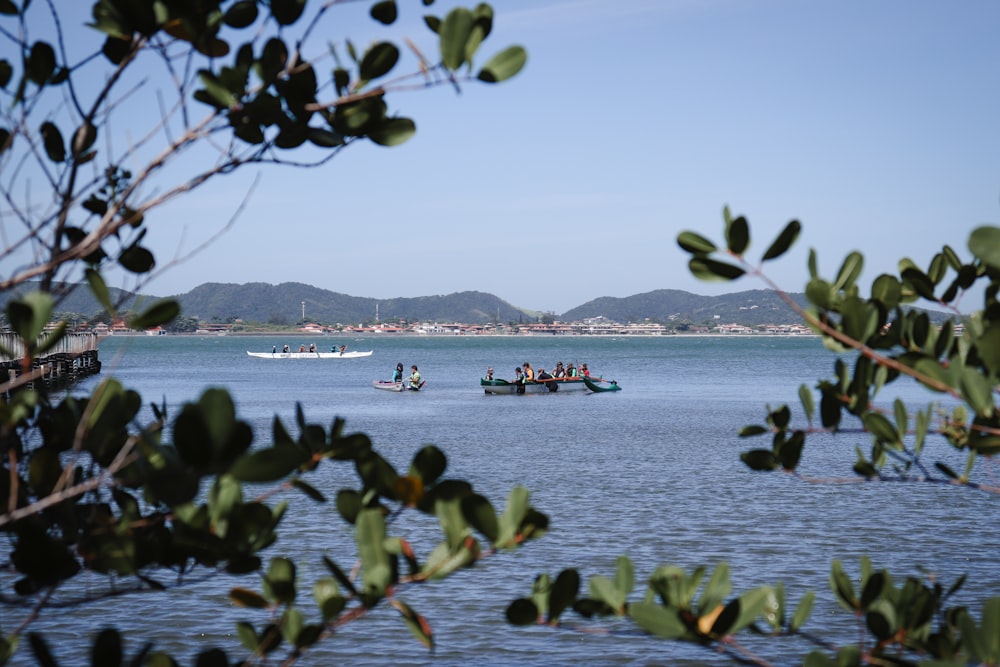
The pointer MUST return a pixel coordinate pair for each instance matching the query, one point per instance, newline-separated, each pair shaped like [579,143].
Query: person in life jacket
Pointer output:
[519,379]
[414,378]
[529,375]
[397,375]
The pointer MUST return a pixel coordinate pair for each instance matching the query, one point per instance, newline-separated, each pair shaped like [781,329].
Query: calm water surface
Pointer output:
[651,471]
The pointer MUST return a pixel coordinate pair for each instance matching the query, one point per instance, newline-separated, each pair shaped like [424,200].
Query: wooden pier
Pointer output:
[75,357]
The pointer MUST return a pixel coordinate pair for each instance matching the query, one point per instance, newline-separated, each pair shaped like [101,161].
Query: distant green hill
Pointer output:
[283,304]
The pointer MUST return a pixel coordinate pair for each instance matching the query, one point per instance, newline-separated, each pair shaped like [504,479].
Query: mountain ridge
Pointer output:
[292,302]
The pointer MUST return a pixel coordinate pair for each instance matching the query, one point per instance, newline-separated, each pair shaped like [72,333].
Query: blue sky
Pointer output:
[873,122]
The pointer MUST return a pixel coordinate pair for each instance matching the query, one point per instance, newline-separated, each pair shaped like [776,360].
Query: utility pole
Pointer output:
[303,311]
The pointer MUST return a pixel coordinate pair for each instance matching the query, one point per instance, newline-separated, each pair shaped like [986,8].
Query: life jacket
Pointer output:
[529,375]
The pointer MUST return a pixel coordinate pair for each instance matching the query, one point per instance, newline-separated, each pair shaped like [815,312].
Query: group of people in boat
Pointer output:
[524,374]
[311,349]
[414,380]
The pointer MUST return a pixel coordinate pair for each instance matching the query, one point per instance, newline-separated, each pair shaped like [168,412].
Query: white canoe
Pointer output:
[309,355]
[389,385]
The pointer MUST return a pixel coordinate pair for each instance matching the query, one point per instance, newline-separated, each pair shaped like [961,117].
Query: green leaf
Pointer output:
[624,574]
[242,597]
[853,264]
[349,504]
[984,244]
[808,405]
[841,584]
[656,620]
[328,597]
[241,15]
[887,291]
[107,648]
[879,426]
[41,63]
[429,464]
[759,459]
[29,315]
[504,65]
[287,12]
[416,623]
[370,535]
[603,589]
[784,241]
[52,138]
[219,95]
[802,612]
[384,12]
[707,269]
[919,282]
[83,139]
[137,259]
[378,61]
[695,243]
[453,35]
[977,391]
[479,513]
[393,132]
[159,313]
[6,72]
[738,235]
[279,582]
[522,612]
[268,465]
[309,490]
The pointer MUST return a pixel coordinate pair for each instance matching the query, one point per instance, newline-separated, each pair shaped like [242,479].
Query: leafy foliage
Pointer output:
[87,489]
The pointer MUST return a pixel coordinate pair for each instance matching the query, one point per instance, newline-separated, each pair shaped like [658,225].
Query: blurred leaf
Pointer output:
[920,283]
[393,132]
[453,34]
[504,65]
[29,315]
[802,612]
[378,60]
[384,12]
[279,582]
[41,63]
[887,291]
[707,269]
[853,264]
[242,597]
[784,241]
[83,139]
[137,259]
[738,236]
[480,514]
[241,14]
[308,489]
[563,593]
[656,620]
[267,465]
[416,623]
[349,504]
[984,243]
[695,243]
[759,459]
[840,583]
[522,612]
[161,312]
[52,138]
[287,12]
[879,426]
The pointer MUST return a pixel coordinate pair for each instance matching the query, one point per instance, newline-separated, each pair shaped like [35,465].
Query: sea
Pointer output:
[651,472]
